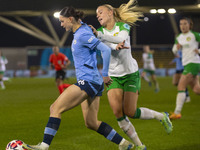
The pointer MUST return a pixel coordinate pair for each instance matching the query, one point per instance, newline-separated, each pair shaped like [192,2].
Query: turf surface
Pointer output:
[24,112]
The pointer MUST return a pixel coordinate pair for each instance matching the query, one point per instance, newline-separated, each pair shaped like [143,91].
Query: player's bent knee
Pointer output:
[118,113]
[91,125]
[129,113]
[54,111]
[51,108]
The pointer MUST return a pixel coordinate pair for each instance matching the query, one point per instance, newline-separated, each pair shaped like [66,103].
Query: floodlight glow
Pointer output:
[198,5]
[56,14]
[161,11]
[171,10]
[153,11]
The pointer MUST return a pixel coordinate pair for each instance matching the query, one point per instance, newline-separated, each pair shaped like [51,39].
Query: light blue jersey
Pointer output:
[84,55]
[178,61]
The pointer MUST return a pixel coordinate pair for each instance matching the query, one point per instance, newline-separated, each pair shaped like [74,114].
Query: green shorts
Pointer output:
[191,68]
[129,83]
[151,72]
[1,72]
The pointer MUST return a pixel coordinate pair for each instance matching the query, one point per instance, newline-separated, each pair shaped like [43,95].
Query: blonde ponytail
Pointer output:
[126,12]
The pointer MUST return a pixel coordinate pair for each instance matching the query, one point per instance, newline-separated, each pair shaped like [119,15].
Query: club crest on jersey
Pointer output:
[188,38]
[74,42]
[115,34]
[90,40]
[59,62]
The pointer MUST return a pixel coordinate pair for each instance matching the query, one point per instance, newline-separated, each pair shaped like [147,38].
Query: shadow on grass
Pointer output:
[186,147]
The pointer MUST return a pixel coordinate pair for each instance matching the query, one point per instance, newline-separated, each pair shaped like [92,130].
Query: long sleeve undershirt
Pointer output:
[113,41]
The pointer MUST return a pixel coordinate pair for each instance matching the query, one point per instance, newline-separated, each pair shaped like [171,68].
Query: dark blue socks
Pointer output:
[109,133]
[51,129]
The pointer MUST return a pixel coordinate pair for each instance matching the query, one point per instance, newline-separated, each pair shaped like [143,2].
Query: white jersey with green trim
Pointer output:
[3,62]
[148,62]
[189,42]
[121,61]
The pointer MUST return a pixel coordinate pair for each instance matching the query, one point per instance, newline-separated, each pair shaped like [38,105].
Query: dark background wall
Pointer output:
[157,30]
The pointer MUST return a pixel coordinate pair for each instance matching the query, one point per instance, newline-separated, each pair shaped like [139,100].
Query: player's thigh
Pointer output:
[70,98]
[184,81]
[153,77]
[130,103]
[59,81]
[90,108]
[176,78]
[1,75]
[195,85]
[143,74]
[115,97]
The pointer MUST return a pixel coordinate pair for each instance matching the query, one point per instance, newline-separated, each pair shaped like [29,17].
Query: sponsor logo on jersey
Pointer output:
[90,40]
[188,38]
[132,85]
[126,26]
[115,34]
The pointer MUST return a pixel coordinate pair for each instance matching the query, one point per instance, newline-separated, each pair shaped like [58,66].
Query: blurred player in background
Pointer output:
[59,62]
[188,42]
[149,67]
[3,62]
[89,86]
[123,69]
[179,71]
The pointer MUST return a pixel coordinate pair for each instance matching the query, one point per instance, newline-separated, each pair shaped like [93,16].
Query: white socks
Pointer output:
[2,85]
[157,85]
[150,114]
[180,99]
[129,129]
[44,145]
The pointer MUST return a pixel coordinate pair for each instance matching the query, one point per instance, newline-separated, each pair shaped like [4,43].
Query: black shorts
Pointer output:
[91,89]
[179,71]
[60,74]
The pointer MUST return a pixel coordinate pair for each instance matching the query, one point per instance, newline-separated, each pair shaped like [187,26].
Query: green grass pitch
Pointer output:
[24,112]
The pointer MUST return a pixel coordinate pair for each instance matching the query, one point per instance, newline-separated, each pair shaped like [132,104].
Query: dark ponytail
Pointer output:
[70,11]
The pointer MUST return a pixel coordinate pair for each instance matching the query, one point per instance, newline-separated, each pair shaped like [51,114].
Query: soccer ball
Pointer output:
[15,145]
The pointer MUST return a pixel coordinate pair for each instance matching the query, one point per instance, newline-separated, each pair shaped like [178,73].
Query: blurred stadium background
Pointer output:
[28,29]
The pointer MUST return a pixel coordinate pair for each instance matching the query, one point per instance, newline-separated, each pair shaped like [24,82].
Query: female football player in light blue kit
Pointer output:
[123,69]
[89,86]
[188,42]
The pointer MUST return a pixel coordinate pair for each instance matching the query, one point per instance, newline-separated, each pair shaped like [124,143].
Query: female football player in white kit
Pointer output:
[188,42]
[149,67]
[123,69]
[3,62]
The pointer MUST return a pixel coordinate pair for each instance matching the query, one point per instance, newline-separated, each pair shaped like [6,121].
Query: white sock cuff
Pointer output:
[45,144]
[123,122]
